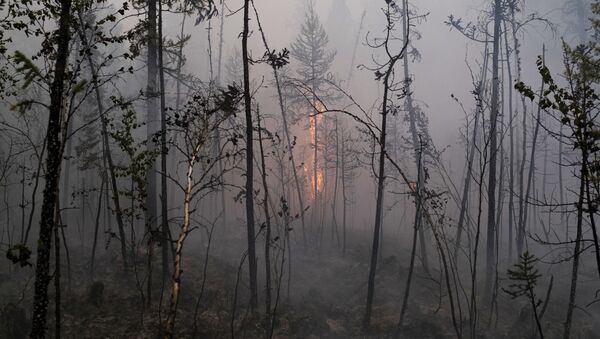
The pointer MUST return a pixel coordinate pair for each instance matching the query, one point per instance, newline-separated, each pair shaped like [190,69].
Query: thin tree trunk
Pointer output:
[268,230]
[576,254]
[164,209]
[344,196]
[511,173]
[335,185]
[97,226]
[107,154]
[356,41]
[289,145]
[151,118]
[57,291]
[417,225]
[472,148]
[491,221]
[35,189]
[177,264]
[412,117]
[22,205]
[252,266]
[380,192]
[517,50]
[560,183]
[523,220]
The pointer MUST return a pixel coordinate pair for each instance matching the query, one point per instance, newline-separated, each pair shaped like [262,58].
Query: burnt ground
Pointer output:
[325,300]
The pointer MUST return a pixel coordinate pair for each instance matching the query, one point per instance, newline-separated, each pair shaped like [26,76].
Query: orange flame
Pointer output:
[308,169]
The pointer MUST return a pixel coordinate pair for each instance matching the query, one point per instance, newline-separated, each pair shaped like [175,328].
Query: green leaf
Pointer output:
[80,86]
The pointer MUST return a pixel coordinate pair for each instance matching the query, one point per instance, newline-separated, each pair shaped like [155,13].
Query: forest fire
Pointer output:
[312,168]
[297,169]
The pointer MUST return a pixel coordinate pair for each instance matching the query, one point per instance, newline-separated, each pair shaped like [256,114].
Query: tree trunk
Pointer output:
[249,163]
[177,264]
[97,226]
[576,254]
[360,28]
[106,147]
[471,156]
[164,209]
[412,118]
[53,161]
[344,196]
[491,218]
[516,46]
[151,118]
[380,192]
[417,225]
[511,173]
[334,228]
[268,230]
[523,220]
[57,290]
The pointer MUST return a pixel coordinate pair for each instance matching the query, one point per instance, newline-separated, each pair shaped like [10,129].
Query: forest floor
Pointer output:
[326,300]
